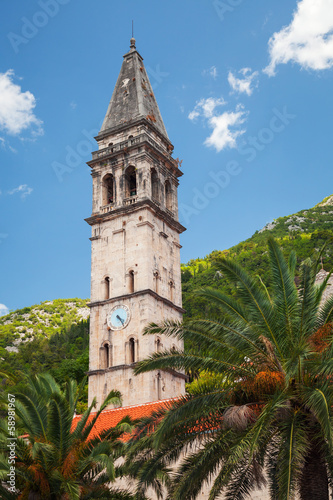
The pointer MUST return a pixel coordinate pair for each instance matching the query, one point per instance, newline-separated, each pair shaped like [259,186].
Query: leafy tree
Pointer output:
[268,410]
[54,458]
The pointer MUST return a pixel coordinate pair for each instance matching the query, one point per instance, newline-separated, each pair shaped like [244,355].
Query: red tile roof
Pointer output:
[110,418]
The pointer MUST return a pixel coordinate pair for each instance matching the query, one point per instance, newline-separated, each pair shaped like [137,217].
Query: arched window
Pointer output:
[158,345]
[108,189]
[168,196]
[107,288]
[130,181]
[156,279]
[110,146]
[106,356]
[131,282]
[132,353]
[154,185]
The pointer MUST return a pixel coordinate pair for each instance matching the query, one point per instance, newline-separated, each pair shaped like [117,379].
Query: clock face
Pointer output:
[118,318]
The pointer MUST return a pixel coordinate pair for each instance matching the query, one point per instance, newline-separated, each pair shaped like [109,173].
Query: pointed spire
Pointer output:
[133,98]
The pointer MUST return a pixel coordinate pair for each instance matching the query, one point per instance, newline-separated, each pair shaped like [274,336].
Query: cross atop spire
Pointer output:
[133,98]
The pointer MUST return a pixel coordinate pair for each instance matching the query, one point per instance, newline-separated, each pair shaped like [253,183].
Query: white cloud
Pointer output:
[23,189]
[205,107]
[308,40]
[225,126]
[4,145]
[246,84]
[212,71]
[16,107]
[3,310]
[222,136]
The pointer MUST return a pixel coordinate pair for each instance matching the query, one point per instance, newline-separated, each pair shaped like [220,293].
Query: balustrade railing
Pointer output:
[107,208]
[130,200]
[102,153]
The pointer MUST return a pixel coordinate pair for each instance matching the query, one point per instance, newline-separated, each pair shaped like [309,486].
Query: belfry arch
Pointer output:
[108,195]
[130,182]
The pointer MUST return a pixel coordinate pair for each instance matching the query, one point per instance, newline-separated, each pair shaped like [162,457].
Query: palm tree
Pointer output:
[54,458]
[265,413]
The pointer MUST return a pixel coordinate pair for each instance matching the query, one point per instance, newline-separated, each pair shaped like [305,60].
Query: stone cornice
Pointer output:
[147,291]
[128,209]
[130,124]
[130,367]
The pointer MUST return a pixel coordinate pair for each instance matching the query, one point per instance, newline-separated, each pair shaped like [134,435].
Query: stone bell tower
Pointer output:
[135,254]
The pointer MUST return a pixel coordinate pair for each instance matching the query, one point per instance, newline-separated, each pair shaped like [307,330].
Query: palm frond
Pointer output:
[284,291]
[113,398]
[59,423]
[251,297]
[292,262]
[294,445]
[319,401]
[180,361]
[325,314]
[224,302]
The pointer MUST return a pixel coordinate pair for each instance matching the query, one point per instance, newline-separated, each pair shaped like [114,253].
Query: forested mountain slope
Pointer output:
[305,232]
[52,336]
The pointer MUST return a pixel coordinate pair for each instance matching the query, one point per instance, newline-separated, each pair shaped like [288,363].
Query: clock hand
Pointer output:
[121,320]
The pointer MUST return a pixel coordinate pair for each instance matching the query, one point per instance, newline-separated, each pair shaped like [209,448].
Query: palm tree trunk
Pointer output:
[314,480]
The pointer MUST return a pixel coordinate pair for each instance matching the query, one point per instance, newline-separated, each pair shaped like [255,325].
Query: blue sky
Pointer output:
[245,91]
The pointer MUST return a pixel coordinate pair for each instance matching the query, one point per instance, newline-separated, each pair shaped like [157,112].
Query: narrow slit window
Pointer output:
[168,196]
[107,286]
[106,356]
[156,278]
[158,386]
[132,350]
[131,282]
[171,289]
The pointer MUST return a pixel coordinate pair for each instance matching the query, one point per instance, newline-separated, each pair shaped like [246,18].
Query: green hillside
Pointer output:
[305,232]
[54,335]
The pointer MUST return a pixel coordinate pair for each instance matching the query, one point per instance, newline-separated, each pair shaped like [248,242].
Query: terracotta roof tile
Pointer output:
[110,418]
